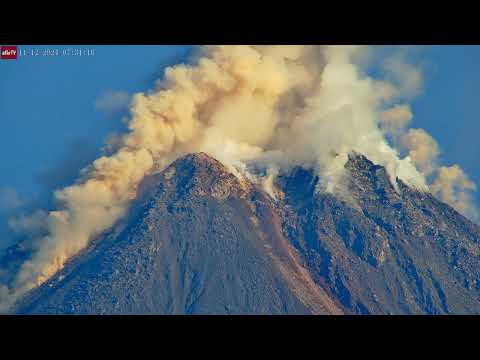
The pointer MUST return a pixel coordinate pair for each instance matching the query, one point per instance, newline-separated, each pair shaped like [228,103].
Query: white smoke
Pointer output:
[278,106]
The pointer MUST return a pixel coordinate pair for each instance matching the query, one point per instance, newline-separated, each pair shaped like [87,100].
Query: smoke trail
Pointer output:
[278,106]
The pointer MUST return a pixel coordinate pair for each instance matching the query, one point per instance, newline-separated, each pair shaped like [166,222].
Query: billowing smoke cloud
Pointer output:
[322,105]
[276,106]
[454,187]
[449,184]
[396,118]
[423,149]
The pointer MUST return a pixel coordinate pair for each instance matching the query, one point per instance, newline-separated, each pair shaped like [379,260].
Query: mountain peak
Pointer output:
[195,244]
[359,161]
[199,174]
[367,175]
[205,241]
[200,159]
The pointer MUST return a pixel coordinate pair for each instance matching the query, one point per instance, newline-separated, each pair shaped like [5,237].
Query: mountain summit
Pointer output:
[198,240]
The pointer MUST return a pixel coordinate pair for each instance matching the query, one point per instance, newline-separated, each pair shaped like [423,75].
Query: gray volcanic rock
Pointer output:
[198,241]
[383,251]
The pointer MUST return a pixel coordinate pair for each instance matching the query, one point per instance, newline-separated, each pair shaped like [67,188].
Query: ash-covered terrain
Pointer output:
[200,241]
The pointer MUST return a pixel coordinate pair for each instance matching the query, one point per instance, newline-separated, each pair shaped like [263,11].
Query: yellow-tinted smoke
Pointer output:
[454,187]
[396,118]
[450,184]
[423,149]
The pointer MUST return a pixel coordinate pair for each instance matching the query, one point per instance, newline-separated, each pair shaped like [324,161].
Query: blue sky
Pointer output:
[51,125]
[449,106]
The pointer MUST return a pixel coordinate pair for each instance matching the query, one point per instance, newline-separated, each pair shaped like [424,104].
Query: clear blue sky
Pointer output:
[50,126]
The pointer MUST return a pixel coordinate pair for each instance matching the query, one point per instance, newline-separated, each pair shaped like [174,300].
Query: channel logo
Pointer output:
[9,52]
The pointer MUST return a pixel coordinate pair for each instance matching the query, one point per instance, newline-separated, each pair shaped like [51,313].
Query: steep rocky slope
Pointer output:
[199,241]
[382,250]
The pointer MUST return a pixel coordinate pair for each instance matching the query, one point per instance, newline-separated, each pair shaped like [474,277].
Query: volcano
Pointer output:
[200,240]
